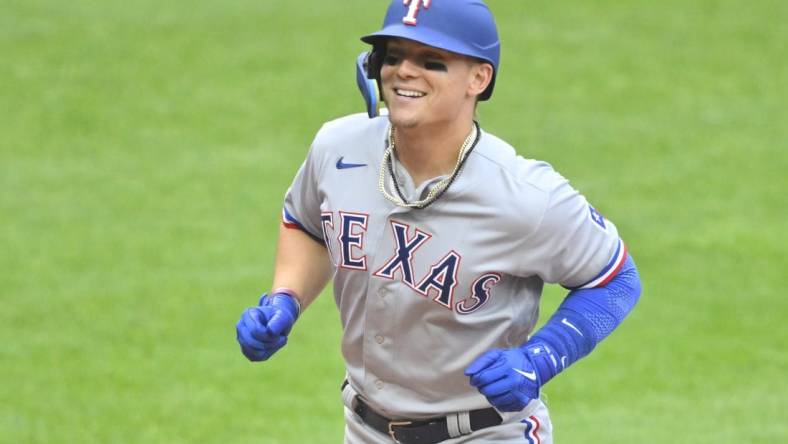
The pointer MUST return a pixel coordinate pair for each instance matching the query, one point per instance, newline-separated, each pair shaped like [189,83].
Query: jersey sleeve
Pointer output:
[574,245]
[302,200]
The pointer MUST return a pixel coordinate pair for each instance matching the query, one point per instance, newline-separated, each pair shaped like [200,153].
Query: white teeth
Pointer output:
[408,93]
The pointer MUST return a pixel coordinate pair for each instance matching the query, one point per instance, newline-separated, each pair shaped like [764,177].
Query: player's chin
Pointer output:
[403,122]
[403,118]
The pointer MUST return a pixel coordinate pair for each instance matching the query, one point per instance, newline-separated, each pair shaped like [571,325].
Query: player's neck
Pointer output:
[428,152]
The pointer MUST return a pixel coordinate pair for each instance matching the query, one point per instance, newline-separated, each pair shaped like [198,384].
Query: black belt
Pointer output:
[421,431]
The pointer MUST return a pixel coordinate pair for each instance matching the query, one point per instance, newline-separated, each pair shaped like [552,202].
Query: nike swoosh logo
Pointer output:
[569,324]
[531,375]
[343,166]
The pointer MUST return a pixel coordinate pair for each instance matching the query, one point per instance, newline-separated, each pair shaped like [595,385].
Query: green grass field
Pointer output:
[145,148]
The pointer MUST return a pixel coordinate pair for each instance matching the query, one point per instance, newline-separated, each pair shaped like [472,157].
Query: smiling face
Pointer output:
[426,86]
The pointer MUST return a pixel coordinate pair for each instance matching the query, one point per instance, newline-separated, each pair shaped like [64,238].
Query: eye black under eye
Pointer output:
[435,66]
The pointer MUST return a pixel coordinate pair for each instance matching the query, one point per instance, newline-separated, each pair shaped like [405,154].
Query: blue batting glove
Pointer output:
[507,378]
[263,330]
[284,303]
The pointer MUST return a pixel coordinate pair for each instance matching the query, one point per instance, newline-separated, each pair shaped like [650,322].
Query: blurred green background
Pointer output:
[145,148]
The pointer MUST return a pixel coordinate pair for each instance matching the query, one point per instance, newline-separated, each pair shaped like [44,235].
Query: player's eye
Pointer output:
[436,66]
[390,59]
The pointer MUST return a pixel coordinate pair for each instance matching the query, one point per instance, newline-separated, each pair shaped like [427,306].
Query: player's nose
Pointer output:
[407,69]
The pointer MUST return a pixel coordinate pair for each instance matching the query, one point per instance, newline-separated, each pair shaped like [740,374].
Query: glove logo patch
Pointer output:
[530,375]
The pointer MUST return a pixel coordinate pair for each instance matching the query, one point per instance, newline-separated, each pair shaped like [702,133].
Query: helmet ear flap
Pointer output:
[368,85]
[375,61]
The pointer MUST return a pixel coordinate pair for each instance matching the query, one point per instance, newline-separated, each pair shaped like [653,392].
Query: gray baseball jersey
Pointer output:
[423,292]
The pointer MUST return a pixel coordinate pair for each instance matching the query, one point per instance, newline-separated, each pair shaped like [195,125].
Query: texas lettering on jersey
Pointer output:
[439,281]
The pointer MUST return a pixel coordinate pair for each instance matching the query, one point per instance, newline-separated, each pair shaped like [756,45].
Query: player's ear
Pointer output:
[481,75]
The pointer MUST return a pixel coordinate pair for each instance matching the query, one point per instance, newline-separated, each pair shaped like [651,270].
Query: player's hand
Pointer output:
[506,377]
[263,330]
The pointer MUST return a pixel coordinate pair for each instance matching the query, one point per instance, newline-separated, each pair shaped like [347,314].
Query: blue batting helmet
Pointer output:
[464,27]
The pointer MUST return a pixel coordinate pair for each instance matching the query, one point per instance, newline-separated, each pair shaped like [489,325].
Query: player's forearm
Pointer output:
[584,319]
[302,265]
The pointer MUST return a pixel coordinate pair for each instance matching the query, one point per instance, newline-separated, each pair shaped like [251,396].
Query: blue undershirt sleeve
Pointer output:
[583,319]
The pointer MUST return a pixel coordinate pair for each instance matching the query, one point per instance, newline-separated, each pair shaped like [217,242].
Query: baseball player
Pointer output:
[439,239]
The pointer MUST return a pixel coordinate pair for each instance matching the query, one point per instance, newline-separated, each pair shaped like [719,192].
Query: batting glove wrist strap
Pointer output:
[286,292]
[543,358]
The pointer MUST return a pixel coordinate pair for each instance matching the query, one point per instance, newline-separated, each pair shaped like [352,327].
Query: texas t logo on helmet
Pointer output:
[410,19]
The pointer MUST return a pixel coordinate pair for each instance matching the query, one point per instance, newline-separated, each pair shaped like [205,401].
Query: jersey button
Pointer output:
[379,384]
[379,339]
[382,292]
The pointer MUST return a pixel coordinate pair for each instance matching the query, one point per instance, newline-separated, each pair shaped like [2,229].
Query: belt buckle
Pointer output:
[393,432]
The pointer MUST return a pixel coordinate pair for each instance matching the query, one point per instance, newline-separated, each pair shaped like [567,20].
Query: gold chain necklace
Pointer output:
[439,188]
